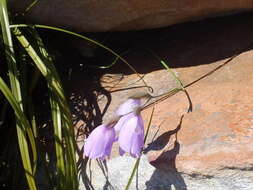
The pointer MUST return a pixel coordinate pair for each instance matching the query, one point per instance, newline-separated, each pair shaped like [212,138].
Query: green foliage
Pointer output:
[15,99]
[17,96]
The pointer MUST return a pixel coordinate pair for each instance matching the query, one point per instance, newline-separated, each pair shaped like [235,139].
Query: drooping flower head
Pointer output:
[131,128]
[99,143]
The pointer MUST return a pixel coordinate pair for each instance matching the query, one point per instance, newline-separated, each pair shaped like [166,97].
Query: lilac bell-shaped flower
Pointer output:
[99,143]
[131,128]
[131,135]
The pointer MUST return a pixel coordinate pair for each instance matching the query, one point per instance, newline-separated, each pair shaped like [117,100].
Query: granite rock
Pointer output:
[206,147]
[151,178]
[107,15]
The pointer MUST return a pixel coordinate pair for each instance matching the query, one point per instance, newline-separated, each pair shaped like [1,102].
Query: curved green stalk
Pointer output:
[166,66]
[30,6]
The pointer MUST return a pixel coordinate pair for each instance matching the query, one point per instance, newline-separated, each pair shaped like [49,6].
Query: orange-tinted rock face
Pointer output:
[218,132]
[107,15]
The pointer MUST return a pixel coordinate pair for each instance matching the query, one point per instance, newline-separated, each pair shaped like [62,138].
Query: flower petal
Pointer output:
[99,143]
[110,136]
[137,144]
[128,106]
[120,123]
[131,136]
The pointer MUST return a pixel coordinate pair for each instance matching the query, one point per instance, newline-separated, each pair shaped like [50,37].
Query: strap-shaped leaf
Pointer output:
[22,126]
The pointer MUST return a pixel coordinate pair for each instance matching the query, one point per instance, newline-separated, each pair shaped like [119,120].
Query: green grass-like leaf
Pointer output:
[23,125]
[166,66]
[15,99]
[31,5]
[62,120]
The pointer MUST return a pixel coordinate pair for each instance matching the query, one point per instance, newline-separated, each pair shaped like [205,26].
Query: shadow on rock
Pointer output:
[87,175]
[167,178]
[82,167]
[166,175]
[163,139]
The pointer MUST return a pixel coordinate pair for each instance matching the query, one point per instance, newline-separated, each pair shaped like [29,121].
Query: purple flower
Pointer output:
[131,134]
[125,109]
[99,143]
[130,128]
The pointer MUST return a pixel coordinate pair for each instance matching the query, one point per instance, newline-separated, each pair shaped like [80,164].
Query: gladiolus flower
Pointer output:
[99,143]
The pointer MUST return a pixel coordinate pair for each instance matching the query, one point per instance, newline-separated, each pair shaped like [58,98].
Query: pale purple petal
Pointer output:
[121,122]
[128,106]
[109,136]
[99,143]
[131,136]
[138,138]
[137,144]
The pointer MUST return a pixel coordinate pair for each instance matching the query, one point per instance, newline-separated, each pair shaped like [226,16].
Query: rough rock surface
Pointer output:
[218,133]
[107,15]
[151,178]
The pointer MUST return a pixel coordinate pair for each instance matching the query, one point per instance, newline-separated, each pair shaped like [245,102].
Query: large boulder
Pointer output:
[207,148]
[108,15]
[210,147]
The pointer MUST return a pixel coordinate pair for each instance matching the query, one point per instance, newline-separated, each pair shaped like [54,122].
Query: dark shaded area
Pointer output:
[169,180]
[85,173]
[182,45]
[81,83]
[187,44]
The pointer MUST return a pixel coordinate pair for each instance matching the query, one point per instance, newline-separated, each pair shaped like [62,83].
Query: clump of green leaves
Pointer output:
[19,97]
